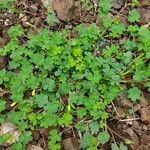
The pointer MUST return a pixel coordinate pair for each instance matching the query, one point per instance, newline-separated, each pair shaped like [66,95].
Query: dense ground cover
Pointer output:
[61,81]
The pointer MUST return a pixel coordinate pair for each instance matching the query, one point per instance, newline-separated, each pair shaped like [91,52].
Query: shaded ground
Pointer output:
[129,122]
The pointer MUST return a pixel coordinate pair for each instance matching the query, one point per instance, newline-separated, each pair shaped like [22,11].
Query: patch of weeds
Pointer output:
[86,4]
[51,18]
[7,5]
[134,94]
[51,66]
[133,16]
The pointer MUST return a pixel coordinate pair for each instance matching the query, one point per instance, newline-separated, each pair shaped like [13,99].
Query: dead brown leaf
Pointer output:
[144,3]
[34,147]
[145,15]
[11,129]
[71,144]
[145,114]
[133,136]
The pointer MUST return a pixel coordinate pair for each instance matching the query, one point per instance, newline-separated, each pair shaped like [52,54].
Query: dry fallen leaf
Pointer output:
[10,129]
[71,144]
[34,147]
[145,114]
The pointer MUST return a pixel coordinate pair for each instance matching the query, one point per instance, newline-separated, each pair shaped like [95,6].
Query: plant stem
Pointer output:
[129,66]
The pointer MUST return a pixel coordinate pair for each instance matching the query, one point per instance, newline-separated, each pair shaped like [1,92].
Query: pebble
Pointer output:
[68,27]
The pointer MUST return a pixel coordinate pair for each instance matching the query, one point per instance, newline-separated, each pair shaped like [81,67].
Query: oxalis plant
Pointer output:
[51,67]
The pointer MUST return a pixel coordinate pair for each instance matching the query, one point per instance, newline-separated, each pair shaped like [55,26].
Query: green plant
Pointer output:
[2,105]
[7,4]
[54,138]
[51,18]
[133,16]
[54,79]
[103,137]
[134,94]
[86,4]
[120,147]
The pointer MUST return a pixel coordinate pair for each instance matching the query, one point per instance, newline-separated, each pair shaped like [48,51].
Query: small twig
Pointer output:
[124,7]
[124,72]
[147,25]
[73,132]
[111,134]
[66,130]
[133,113]
[127,81]
[80,13]
[131,119]
[95,5]
[115,108]
[115,133]
[79,134]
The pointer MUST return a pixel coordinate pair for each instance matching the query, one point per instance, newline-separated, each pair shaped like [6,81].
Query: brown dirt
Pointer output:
[71,144]
[132,126]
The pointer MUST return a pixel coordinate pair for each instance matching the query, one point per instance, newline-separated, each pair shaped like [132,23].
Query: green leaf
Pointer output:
[49,120]
[129,45]
[33,119]
[66,119]
[51,18]
[54,136]
[25,138]
[56,105]
[6,4]
[49,84]
[133,16]
[117,29]
[94,126]
[103,137]
[123,147]
[81,112]
[15,31]
[81,127]
[2,105]
[105,5]
[17,145]
[134,94]
[54,146]
[114,146]
[134,3]
[41,100]
[86,140]
[107,21]
[37,59]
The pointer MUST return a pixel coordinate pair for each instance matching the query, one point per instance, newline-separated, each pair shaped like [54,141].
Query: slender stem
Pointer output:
[128,71]
[131,119]
[115,133]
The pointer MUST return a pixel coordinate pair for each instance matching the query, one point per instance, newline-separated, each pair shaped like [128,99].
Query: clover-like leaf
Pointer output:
[134,94]
[41,100]
[133,16]
[103,137]
[49,84]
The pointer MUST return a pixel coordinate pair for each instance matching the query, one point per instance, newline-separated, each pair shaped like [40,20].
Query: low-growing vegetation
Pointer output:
[59,80]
